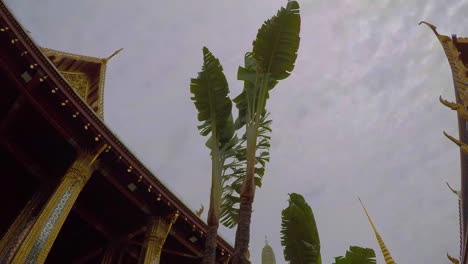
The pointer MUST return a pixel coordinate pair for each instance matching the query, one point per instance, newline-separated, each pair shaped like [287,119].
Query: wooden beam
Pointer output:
[189,245]
[11,115]
[125,191]
[25,160]
[92,220]
[28,91]
[86,258]
[132,254]
[179,253]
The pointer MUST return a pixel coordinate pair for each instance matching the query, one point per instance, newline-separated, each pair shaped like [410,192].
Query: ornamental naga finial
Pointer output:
[105,60]
[200,212]
[455,106]
[463,146]
[441,38]
[457,193]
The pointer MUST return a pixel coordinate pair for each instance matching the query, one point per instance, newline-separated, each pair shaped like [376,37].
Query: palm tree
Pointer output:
[210,95]
[272,59]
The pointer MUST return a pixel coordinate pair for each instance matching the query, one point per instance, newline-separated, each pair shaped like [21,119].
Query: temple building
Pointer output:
[72,192]
[456,51]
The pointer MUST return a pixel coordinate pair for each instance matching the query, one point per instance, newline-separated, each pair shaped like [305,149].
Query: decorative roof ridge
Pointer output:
[73,55]
[91,117]
[102,74]
[459,70]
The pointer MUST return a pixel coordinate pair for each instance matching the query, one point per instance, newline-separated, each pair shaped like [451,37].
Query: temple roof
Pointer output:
[84,73]
[456,51]
[80,124]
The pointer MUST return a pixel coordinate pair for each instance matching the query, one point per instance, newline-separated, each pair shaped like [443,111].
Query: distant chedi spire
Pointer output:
[268,256]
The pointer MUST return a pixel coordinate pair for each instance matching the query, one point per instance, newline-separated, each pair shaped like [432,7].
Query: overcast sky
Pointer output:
[359,116]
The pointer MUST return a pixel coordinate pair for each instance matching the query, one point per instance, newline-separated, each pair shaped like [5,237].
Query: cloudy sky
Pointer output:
[358,117]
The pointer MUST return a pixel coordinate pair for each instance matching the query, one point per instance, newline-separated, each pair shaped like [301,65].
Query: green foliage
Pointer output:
[299,234]
[234,171]
[300,238]
[272,59]
[210,95]
[357,255]
[275,49]
[251,90]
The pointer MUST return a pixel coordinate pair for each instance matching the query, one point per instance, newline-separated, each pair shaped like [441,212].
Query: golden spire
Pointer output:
[388,258]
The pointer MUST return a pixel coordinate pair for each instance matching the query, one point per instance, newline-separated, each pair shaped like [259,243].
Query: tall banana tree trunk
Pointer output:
[272,59]
[210,95]
[209,256]
[245,216]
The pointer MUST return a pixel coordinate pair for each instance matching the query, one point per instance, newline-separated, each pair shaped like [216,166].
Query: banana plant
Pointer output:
[299,234]
[300,237]
[272,59]
[357,255]
[234,171]
[210,95]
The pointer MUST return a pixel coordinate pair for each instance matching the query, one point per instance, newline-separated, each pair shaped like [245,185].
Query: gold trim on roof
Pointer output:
[102,74]
[102,81]
[459,70]
[79,81]
[72,55]
[112,55]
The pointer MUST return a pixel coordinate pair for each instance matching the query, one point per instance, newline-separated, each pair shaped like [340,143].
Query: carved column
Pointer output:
[12,237]
[44,231]
[156,236]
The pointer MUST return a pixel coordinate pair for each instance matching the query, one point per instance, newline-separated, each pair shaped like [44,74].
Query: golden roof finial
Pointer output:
[432,27]
[200,212]
[463,146]
[452,259]
[105,60]
[388,258]
[457,193]
[441,38]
